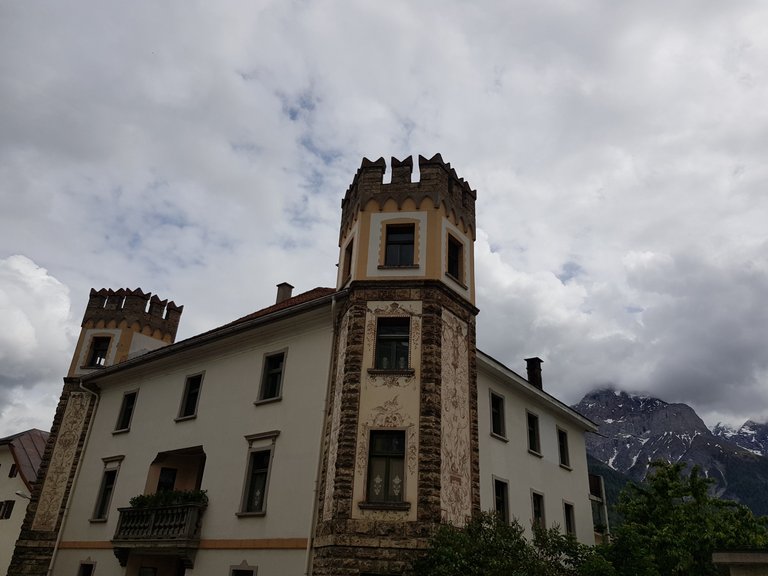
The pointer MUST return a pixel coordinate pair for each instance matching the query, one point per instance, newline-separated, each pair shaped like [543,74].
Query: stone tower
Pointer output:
[401,449]
[117,325]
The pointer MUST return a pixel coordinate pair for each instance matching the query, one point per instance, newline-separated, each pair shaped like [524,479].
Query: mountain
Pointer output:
[636,430]
[751,436]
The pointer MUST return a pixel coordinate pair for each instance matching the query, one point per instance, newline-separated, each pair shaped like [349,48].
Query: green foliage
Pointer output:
[487,546]
[671,526]
[169,498]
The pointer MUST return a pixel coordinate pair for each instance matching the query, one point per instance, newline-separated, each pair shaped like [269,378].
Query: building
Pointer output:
[331,432]
[20,456]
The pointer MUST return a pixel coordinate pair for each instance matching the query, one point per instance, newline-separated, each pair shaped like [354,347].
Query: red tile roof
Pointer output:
[302,298]
[27,450]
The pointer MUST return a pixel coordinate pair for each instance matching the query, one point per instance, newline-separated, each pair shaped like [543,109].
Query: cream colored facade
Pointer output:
[507,457]
[288,472]
[228,413]
[9,527]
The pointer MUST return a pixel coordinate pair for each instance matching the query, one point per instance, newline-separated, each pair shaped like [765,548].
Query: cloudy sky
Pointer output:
[200,151]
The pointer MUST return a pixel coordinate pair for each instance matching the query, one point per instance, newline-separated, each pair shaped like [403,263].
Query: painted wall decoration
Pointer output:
[54,489]
[456,471]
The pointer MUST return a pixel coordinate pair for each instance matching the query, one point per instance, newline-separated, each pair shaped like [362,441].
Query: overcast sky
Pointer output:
[200,151]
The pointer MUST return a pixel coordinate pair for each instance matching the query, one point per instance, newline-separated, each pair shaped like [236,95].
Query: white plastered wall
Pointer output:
[10,527]
[525,472]
[226,414]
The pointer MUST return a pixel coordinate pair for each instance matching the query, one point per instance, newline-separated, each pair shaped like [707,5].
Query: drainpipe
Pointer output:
[74,480]
[315,492]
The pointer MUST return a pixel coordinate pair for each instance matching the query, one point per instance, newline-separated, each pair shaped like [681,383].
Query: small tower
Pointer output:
[401,451]
[117,325]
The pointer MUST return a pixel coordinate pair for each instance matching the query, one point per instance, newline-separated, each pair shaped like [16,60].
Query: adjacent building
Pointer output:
[20,456]
[329,433]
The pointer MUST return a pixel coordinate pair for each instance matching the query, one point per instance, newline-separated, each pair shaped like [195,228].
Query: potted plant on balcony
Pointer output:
[170,498]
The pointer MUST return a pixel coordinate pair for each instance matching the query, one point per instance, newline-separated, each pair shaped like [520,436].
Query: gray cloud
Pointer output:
[201,152]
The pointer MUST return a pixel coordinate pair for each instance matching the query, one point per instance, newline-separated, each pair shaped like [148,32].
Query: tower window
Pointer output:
[272,377]
[346,272]
[99,349]
[392,338]
[13,471]
[386,466]
[399,248]
[455,257]
[126,412]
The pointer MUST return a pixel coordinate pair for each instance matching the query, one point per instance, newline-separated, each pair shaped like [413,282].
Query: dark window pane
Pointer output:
[500,494]
[257,483]
[392,343]
[167,480]
[533,432]
[272,377]
[497,415]
[399,247]
[126,411]
[191,394]
[454,257]
[386,466]
[105,494]
[99,349]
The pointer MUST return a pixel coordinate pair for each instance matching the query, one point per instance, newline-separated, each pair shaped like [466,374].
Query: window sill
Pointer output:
[457,280]
[565,467]
[267,400]
[97,520]
[185,418]
[535,453]
[396,267]
[395,506]
[250,514]
[391,371]
[499,437]
[121,431]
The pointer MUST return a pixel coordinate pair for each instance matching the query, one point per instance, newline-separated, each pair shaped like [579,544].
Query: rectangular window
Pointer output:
[6,509]
[167,479]
[346,271]
[570,519]
[257,481]
[272,377]
[86,570]
[501,499]
[13,471]
[242,572]
[99,349]
[534,443]
[538,509]
[562,445]
[455,257]
[392,339]
[105,494]
[399,247]
[191,396]
[126,412]
[386,466]
[147,571]
[498,427]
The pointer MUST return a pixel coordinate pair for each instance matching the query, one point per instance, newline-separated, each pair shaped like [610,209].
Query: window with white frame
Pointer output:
[125,415]
[272,376]
[106,488]
[261,449]
[498,425]
[191,396]
[562,446]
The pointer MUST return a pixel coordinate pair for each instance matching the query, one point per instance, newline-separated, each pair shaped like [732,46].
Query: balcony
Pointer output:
[160,530]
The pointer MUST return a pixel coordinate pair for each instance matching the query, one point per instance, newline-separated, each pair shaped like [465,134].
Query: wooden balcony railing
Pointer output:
[170,529]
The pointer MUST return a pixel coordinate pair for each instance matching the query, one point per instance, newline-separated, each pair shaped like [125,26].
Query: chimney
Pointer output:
[284,291]
[533,365]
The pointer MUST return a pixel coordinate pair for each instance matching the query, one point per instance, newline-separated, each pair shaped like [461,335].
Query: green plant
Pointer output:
[169,498]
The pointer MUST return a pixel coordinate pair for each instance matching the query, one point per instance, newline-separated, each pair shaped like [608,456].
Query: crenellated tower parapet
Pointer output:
[120,324]
[129,307]
[438,183]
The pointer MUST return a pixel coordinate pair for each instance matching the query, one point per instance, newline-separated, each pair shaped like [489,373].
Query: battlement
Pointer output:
[439,182]
[132,306]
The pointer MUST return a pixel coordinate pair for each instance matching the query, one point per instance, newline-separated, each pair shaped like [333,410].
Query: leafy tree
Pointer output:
[672,525]
[488,546]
